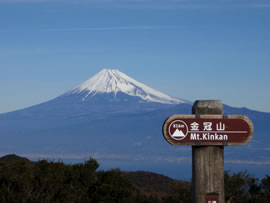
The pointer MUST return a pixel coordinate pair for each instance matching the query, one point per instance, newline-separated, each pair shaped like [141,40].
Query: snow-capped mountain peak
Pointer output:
[114,81]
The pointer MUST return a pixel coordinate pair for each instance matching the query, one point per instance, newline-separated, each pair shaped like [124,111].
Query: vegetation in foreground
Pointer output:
[45,181]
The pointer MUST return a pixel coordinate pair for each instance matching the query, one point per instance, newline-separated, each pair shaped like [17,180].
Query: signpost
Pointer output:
[208,131]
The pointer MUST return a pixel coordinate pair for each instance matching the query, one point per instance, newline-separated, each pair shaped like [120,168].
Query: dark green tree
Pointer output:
[112,187]
[266,187]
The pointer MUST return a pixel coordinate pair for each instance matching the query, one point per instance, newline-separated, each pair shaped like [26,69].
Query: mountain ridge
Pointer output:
[109,91]
[118,129]
[114,81]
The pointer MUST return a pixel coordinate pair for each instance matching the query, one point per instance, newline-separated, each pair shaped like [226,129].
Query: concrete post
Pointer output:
[207,161]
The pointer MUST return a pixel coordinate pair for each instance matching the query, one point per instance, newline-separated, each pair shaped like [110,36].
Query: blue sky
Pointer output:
[190,49]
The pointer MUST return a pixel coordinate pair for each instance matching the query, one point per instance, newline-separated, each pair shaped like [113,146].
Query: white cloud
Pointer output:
[26,1]
[249,162]
[111,156]
[168,159]
[82,156]
[160,4]
[138,144]
[126,157]
[182,149]
[260,5]
[139,27]
[102,156]
[80,29]
[45,51]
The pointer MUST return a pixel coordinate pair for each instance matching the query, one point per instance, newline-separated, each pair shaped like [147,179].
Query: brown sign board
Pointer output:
[208,129]
[211,199]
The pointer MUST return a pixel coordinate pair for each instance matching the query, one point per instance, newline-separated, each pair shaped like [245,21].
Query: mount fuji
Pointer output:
[118,121]
[113,81]
[108,92]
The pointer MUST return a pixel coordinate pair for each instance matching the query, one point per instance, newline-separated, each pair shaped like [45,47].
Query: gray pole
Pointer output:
[207,161]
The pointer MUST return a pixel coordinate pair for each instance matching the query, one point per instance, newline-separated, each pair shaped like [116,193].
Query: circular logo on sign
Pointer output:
[178,130]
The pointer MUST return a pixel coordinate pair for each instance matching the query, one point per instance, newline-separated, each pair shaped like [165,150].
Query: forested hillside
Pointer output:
[22,180]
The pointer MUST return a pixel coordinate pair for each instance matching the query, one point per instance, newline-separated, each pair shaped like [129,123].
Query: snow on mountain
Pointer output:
[120,133]
[114,81]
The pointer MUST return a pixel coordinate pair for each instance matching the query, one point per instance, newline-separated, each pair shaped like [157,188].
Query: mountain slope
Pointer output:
[121,127]
[113,81]
[107,92]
